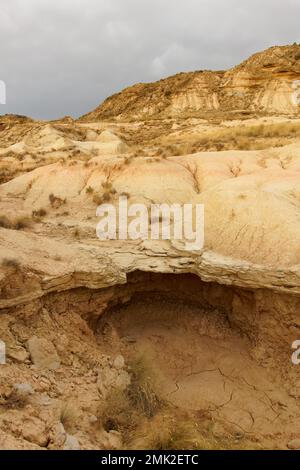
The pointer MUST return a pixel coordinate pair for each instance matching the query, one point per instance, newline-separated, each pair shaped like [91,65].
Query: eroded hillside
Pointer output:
[260,85]
[143,343]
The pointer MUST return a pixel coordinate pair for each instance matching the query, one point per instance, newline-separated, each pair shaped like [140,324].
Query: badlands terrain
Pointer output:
[142,344]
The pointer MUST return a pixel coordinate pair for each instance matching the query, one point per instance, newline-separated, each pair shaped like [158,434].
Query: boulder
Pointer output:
[43,353]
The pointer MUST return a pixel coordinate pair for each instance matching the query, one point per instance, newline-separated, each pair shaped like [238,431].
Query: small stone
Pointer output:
[44,400]
[34,430]
[71,443]
[19,355]
[294,444]
[119,362]
[109,379]
[58,436]
[114,439]
[23,389]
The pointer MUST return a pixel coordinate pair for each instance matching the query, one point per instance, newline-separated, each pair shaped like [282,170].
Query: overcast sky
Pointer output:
[63,57]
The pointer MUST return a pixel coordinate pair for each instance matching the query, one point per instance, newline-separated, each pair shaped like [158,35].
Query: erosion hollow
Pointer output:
[206,345]
[157,358]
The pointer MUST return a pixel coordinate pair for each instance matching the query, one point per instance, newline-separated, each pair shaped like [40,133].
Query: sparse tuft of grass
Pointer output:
[68,416]
[56,201]
[118,414]
[124,411]
[177,430]
[105,197]
[169,433]
[128,160]
[18,223]
[106,185]
[21,222]
[89,190]
[39,213]
[244,137]
[109,192]
[141,391]
[97,199]
[15,401]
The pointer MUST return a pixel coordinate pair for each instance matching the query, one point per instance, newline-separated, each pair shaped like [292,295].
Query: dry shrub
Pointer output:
[89,190]
[146,422]
[128,160]
[118,414]
[11,263]
[68,416]
[5,222]
[97,199]
[108,192]
[21,222]
[124,411]
[178,430]
[17,223]
[56,201]
[15,401]
[39,213]
[259,137]
[106,185]
[142,390]
[168,433]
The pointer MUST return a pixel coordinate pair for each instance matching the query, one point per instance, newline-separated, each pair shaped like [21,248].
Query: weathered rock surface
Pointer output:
[110,378]
[43,353]
[251,223]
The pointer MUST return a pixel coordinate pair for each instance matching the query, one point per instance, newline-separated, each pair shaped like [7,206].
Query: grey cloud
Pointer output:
[63,57]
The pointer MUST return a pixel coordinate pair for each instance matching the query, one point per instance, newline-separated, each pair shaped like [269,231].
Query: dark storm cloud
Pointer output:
[63,57]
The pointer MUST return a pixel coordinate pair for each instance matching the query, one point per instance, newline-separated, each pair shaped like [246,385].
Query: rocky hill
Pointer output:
[260,85]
